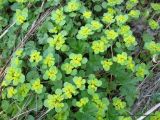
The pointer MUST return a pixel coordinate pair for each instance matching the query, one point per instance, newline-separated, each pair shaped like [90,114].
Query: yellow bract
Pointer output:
[49,60]
[11,92]
[106,64]
[87,14]
[69,90]
[118,103]
[80,82]
[35,56]
[98,46]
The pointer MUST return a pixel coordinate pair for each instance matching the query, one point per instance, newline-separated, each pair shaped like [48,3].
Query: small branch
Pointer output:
[7,29]
[22,113]
[149,111]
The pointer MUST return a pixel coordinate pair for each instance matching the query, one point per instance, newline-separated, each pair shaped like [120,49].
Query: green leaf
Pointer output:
[97,8]
[84,116]
[147,37]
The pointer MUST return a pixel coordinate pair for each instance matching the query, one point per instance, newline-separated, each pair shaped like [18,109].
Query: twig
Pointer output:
[149,111]
[147,76]
[22,113]
[44,114]
[7,29]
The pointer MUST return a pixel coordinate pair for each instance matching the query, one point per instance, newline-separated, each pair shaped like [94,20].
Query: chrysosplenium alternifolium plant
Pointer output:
[84,61]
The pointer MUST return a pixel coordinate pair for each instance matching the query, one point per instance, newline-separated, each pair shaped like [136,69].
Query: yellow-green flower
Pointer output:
[72,6]
[124,118]
[21,16]
[98,46]
[67,67]
[55,101]
[121,19]
[111,11]
[76,59]
[51,73]
[153,47]
[49,60]
[96,25]
[111,34]
[121,58]
[57,41]
[84,32]
[118,104]
[108,18]
[93,84]
[130,41]
[58,17]
[82,102]
[69,90]
[114,2]
[102,106]
[22,91]
[130,64]
[125,30]
[141,70]
[37,86]
[16,62]
[106,64]
[11,92]
[21,1]
[134,14]
[155,116]
[79,82]
[19,52]
[154,25]
[87,14]
[14,75]
[35,57]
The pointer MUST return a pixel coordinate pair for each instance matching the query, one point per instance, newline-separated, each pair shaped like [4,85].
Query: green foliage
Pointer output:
[84,61]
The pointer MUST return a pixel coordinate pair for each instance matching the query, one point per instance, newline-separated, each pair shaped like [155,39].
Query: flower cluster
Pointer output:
[155,116]
[102,106]
[48,61]
[121,19]
[57,41]
[114,2]
[35,57]
[153,47]
[75,59]
[108,18]
[154,25]
[21,16]
[67,67]
[134,14]
[111,34]
[82,102]
[130,41]
[69,90]
[141,70]
[84,32]
[72,6]
[51,73]
[87,14]
[11,92]
[14,75]
[55,101]
[79,82]
[93,84]
[98,46]
[106,64]
[37,86]
[96,25]
[121,58]
[118,104]
[58,17]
